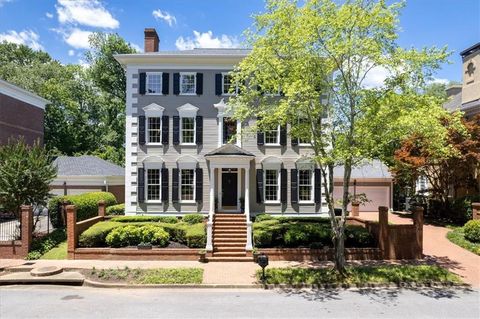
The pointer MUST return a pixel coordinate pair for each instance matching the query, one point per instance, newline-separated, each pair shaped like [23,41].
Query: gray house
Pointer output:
[185,154]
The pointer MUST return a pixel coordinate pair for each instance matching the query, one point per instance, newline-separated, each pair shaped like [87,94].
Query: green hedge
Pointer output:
[139,219]
[131,235]
[118,209]
[472,231]
[305,232]
[193,219]
[95,235]
[87,205]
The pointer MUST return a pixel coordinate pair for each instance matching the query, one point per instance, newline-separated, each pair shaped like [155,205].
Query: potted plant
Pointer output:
[202,255]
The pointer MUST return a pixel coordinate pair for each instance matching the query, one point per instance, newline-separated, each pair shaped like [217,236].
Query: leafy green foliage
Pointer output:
[193,218]
[118,209]
[457,236]
[472,231]
[86,204]
[195,235]
[95,235]
[262,217]
[132,235]
[136,219]
[149,276]
[394,274]
[42,245]
[25,175]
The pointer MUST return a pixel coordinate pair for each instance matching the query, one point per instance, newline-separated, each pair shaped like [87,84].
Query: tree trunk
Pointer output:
[339,245]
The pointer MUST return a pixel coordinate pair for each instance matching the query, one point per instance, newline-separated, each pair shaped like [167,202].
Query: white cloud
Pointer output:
[85,12]
[164,15]
[26,37]
[376,77]
[441,81]
[71,52]
[136,47]
[2,2]
[206,40]
[49,15]
[78,39]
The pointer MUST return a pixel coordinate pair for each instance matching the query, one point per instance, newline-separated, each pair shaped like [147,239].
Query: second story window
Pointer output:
[154,130]
[154,83]
[228,87]
[272,137]
[188,130]
[229,130]
[187,83]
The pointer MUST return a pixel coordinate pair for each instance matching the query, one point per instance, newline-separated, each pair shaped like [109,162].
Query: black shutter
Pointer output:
[283,135]
[199,90]
[218,84]
[199,185]
[318,183]
[142,83]
[283,186]
[259,185]
[165,83]
[294,186]
[199,130]
[176,130]
[141,130]
[176,83]
[175,186]
[294,141]
[260,138]
[165,128]
[140,184]
[165,185]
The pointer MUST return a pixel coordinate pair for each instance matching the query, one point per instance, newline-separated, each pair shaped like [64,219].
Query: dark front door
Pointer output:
[229,189]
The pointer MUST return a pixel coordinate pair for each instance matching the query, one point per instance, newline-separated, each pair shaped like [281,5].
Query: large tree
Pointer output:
[319,54]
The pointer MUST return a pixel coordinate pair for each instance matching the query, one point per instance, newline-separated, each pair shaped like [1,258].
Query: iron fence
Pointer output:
[10,229]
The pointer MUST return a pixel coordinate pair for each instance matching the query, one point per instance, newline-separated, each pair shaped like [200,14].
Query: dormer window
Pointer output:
[187,83]
[154,83]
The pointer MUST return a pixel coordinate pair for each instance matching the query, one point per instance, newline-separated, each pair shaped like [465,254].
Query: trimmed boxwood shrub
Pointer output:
[132,235]
[87,205]
[95,235]
[262,217]
[196,236]
[140,219]
[193,219]
[118,209]
[472,231]
[358,236]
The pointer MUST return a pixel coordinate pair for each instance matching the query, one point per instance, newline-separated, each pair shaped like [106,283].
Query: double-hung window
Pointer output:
[305,185]
[153,184]
[154,130]
[272,137]
[188,130]
[228,86]
[187,185]
[188,83]
[272,181]
[304,139]
[154,83]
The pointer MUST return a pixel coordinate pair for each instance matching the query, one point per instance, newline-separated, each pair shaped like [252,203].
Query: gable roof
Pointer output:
[373,169]
[22,95]
[86,165]
[229,150]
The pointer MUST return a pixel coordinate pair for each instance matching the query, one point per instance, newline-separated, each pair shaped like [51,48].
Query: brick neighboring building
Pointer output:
[21,114]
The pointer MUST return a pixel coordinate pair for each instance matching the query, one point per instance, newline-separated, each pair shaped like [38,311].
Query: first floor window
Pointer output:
[229,130]
[154,83]
[272,136]
[305,185]
[188,130]
[153,184]
[187,83]
[271,185]
[187,185]
[154,130]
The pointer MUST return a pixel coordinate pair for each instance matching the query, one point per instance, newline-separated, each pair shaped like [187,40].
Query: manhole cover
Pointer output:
[46,271]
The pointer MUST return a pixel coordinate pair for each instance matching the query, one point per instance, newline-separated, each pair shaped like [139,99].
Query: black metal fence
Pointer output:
[10,229]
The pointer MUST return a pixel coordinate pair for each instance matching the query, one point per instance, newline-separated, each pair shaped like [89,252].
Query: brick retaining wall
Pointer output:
[18,249]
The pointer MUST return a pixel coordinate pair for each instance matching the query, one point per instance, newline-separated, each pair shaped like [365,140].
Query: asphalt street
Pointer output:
[83,302]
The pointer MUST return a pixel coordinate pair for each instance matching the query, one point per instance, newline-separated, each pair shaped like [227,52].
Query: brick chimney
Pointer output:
[151,40]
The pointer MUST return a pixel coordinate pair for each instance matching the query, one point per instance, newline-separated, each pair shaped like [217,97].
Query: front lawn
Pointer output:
[457,237]
[147,276]
[391,274]
[58,252]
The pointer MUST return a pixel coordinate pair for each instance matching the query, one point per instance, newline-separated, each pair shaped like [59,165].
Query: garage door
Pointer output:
[378,196]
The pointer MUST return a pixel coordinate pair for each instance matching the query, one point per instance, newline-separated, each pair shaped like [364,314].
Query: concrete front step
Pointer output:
[231,224]
[230,227]
[230,259]
[229,249]
[230,231]
[229,254]
[229,235]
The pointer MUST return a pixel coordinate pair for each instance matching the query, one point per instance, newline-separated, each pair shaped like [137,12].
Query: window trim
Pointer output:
[312,187]
[194,131]
[277,201]
[153,201]
[223,86]
[147,82]
[194,83]
[194,183]
[278,138]
[147,142]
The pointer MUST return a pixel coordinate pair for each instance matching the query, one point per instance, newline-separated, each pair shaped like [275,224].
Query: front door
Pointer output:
[229,189]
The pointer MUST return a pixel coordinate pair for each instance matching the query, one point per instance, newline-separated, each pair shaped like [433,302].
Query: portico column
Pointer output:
[220,130]
[211,211]
[248,246]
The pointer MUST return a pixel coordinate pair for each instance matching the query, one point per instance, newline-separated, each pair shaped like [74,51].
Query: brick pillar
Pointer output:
[418,223]
[383,236]
[101,208]
[355,209]
[72,239]
[27,227]
[476,210]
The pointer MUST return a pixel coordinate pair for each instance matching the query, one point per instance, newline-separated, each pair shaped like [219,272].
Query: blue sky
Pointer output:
[61,27]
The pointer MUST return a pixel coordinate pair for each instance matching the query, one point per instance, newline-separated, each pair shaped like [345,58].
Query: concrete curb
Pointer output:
[97,284]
